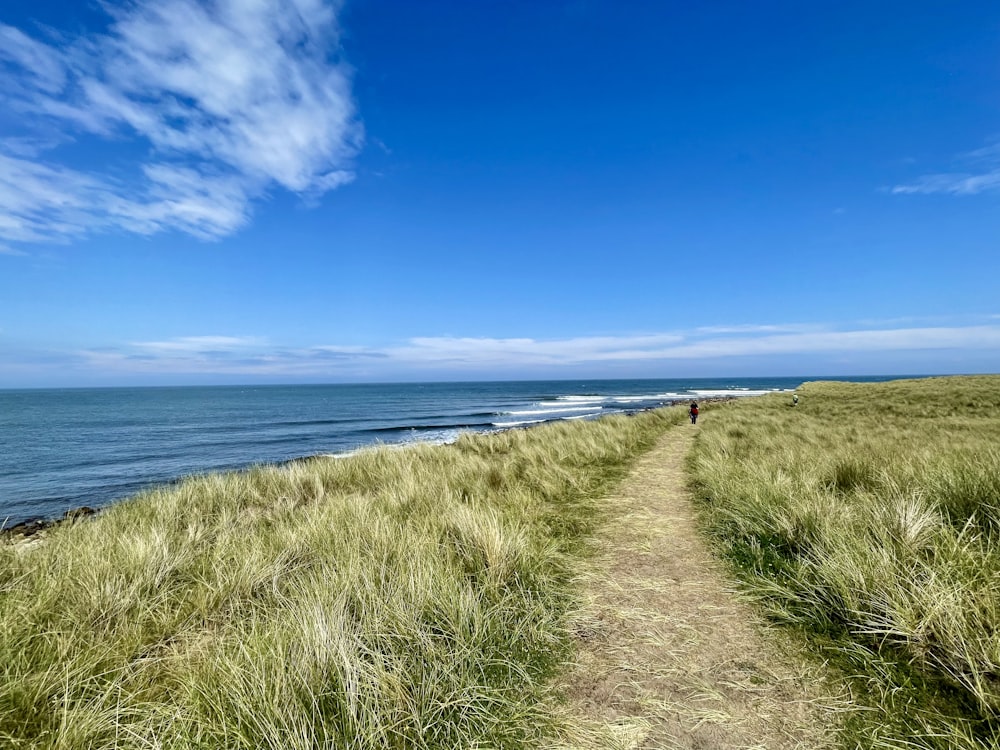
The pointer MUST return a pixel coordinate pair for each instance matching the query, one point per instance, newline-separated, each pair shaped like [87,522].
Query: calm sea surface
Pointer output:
[64,448]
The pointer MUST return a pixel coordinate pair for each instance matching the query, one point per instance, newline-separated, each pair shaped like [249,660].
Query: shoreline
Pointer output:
[30,528]
[94,447]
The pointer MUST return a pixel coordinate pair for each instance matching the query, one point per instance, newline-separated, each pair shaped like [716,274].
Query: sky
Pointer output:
[285,191]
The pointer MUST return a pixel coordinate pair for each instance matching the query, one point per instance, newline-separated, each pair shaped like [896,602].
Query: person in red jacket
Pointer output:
[693,411]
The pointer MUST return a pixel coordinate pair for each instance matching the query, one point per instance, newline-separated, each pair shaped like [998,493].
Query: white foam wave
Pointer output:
[729,392]
[553,410]
[632,398]
[434,437]
[650,397]
[519,423]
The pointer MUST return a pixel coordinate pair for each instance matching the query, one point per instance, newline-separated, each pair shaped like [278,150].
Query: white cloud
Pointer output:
[197,344]
[479,352]
[990,153]
[954,184]
[223,99]
[520,352]
[898,339]
[985,178]
[40,63]
[257,356]
[750,328]
[41,203]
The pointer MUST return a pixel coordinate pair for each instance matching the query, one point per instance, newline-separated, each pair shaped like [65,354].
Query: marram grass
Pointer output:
[410,598]
[868,517]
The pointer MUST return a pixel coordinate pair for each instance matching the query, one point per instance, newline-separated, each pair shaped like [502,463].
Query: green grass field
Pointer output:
[409,598]
[868,517]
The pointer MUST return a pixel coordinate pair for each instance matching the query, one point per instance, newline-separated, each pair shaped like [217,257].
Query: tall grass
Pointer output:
[868,516]
[393,599]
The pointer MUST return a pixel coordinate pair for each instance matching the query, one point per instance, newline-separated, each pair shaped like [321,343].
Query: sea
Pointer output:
[62,449]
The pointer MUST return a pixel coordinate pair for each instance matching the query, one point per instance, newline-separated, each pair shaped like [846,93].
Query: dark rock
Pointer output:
[33,526]
[75,513]
[27,528]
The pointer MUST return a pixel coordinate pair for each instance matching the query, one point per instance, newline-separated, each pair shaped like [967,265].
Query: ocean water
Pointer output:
[65,448]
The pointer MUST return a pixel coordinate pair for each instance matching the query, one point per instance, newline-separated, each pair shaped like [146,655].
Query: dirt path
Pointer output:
[668,656]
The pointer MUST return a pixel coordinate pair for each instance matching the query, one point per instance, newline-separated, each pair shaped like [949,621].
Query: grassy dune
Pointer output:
[868,517]
[394,599]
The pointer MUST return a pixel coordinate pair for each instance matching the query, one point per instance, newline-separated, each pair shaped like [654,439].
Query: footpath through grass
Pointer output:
[868,517]
[409,598]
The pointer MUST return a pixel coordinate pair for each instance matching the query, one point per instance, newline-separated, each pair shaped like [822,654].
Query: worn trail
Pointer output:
[669,657]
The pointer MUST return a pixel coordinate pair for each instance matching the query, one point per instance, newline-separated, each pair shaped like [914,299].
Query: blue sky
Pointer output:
[239,191]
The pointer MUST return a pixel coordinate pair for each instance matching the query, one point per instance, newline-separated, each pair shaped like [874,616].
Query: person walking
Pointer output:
[795,399]
[693,411]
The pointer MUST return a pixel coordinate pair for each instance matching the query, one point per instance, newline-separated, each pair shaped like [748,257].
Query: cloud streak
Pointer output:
[569,352]
[200,344]
[254,356]
[986,176]
[223,100]
[951,183]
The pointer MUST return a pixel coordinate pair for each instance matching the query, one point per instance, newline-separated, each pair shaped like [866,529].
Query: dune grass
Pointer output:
[411,598]
[868,517]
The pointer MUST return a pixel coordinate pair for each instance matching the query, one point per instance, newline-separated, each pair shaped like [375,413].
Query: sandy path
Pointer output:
[668,656]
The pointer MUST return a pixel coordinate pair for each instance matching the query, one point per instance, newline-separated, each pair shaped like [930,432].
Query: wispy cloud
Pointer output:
[983,175]
[481,356]
[494,352]
[223,355]
[697,345]
[751,329]
[5,250]
[199,344]
[953,183]
[222,100]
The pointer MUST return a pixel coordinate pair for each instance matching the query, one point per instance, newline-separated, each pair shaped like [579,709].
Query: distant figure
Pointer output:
[795,399]
[693,411]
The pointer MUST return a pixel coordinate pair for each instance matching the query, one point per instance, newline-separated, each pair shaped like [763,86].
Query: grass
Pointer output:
[868,518]
[411,598]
